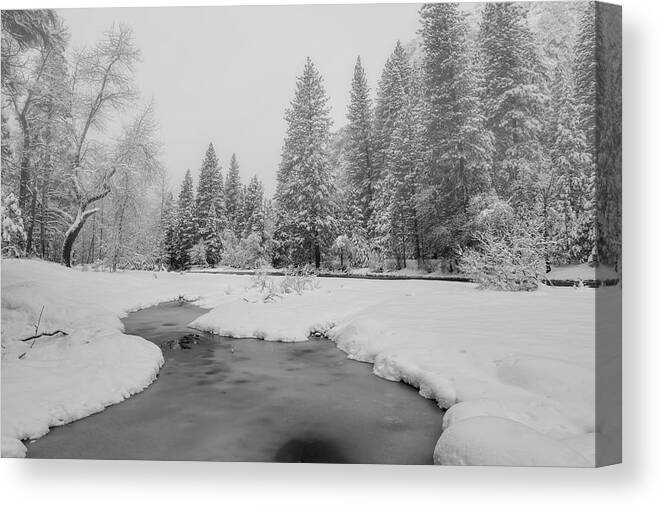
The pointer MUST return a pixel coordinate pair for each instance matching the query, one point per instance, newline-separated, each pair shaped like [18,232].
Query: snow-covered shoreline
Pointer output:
[520,364]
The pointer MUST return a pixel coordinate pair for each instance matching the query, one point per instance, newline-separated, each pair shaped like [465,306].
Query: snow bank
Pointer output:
[502,442]
[515,371]
[524,358]
[290,318]
[63,378]
[69,378]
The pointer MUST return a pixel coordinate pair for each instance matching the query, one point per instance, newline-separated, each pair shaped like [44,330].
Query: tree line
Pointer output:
[223,221]
[483,136]
[495,134]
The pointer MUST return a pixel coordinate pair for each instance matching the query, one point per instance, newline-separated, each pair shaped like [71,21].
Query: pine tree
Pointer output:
[304,193]
[403,164]
[585,73]
[571,176]
[186,229]
[360,181]
[233,197]
[253,208]
[209,190]
[211,232]
[168,227]
[458,147]
[598,77]
[608,133]
[392,99]
[513,98]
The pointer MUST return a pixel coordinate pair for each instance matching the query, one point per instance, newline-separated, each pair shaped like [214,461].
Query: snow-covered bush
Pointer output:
[198,254]
[13,233]
[352,250]
[511,262]
[487,212]
[507,250]
[246,253]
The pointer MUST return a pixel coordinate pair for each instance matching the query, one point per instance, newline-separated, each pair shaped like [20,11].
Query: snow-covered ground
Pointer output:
[514,370]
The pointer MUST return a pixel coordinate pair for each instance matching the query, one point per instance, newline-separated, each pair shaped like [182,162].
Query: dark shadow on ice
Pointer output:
[312,450]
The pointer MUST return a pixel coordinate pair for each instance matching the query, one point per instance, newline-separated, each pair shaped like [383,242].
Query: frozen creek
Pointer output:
[227,399]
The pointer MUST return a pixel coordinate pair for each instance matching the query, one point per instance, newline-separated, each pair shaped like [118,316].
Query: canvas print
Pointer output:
[384,233]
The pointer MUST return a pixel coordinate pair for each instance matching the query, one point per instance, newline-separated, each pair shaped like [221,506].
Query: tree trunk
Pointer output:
[118,242]
[99,254]
[90,251]
[317,256]
[44,207]
[418,250]
[72,233]
[33,218]
[24,175]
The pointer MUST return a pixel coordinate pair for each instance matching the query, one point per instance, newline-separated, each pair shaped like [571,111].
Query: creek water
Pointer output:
[224,399]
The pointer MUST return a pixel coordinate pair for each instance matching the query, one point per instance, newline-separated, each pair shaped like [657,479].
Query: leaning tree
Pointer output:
[102,82]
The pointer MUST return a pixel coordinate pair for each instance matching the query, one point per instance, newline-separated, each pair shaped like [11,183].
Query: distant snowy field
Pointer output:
[514,370]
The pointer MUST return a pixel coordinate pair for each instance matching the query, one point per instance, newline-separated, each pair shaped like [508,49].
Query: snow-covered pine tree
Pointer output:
[168,247]
[253,208]
[209,191]
[457,146]
[585,73]
[513,98]
[598,78]
[360,177]
[402,167]
[391,100]
[571,177]
[304,193]
[211,234]
[233,197]
[392,97]
[186,228]
[608,133]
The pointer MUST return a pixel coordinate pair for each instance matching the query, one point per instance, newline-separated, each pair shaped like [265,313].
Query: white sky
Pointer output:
[226,74]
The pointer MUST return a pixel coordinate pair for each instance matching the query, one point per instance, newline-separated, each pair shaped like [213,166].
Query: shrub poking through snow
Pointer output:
[295,281]
[299,280]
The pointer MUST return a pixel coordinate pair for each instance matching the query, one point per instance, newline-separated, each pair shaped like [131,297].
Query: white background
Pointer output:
[636,482]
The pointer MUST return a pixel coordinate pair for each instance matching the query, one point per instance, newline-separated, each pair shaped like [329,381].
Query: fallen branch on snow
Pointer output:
[59,331]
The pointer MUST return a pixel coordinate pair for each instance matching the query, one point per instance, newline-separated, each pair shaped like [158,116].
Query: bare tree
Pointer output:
[102,82]
[139,170]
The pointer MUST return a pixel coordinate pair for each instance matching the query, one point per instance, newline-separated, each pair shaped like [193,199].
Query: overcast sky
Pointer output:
[226,74]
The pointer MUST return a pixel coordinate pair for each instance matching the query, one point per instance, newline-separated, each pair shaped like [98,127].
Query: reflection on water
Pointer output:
[249,400]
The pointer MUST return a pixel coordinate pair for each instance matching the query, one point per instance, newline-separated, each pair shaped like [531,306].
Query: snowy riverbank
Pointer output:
[520,364]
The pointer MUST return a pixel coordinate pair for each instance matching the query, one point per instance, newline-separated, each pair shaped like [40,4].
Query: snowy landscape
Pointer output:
[457,231]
